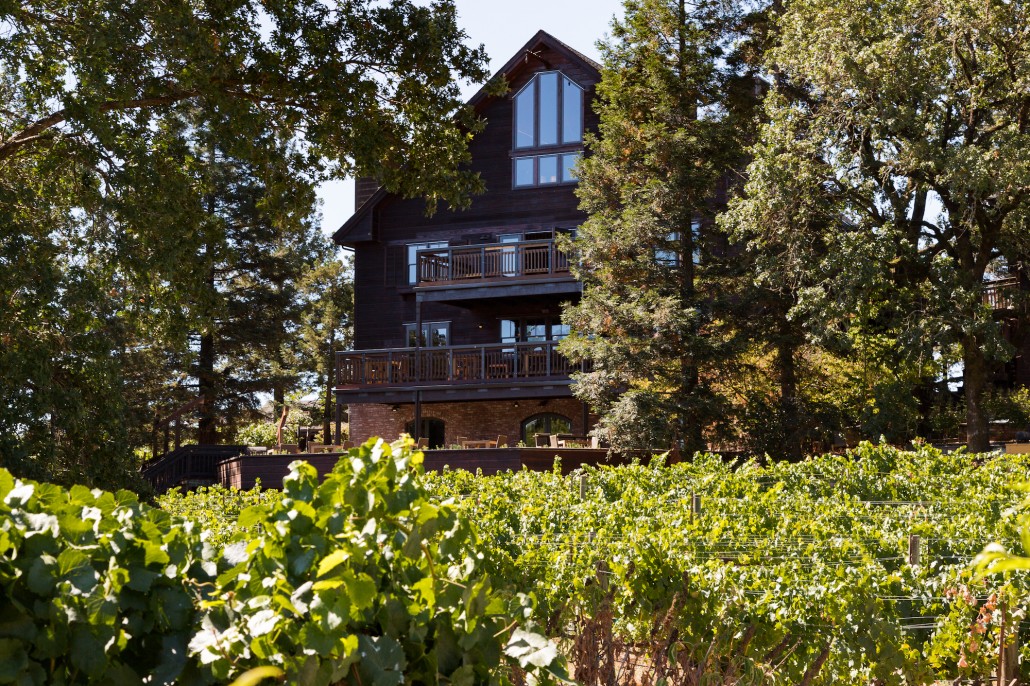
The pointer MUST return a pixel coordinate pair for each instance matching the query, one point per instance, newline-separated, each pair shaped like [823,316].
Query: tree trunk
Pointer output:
[974,382]
[789,418]
[207,431]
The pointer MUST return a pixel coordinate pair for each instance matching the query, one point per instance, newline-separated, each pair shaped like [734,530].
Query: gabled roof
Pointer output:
[359,227]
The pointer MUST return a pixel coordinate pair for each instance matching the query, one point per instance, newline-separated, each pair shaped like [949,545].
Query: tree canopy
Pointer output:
[893,176]
[107,111]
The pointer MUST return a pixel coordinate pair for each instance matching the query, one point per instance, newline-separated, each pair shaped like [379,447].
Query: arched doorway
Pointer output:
[432,428]
[545,423]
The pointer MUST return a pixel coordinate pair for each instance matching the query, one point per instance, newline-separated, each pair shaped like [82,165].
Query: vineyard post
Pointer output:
[1008,655]
[582,486]
[695,505]
[913,550]
[602,575]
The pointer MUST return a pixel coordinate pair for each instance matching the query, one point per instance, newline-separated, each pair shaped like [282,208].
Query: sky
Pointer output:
[503,27]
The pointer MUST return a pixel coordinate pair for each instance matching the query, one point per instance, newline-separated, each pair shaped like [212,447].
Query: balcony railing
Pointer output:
[495,261]
[999,295]
[471,364]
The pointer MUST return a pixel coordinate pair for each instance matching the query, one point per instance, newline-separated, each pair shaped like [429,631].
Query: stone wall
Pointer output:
[472,420]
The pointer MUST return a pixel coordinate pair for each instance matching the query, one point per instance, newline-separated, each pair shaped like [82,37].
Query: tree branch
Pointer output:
[35,130]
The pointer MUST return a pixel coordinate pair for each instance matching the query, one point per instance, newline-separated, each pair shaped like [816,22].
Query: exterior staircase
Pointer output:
[188,466]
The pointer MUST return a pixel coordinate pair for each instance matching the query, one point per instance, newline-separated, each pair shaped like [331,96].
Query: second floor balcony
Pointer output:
[496,363]
[494,270]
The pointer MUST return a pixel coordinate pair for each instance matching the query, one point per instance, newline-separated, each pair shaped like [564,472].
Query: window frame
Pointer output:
[533,83]
[409,329]
[559,156]
[412,264]
[559,150]
[541,415]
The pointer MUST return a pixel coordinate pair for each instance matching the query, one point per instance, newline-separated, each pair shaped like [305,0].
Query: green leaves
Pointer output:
[314,586]
[782,560]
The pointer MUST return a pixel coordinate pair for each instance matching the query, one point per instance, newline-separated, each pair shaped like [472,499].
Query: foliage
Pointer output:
[1012,406]
[214,509]
[790,573]
[892,175]
[357,579]
[109,111]
[645,319]
[265,433]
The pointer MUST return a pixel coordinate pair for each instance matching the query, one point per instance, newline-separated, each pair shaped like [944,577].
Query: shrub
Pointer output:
[358,579]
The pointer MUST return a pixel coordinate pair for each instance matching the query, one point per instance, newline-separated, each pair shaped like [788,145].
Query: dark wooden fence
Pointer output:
[493,261]
[500,362]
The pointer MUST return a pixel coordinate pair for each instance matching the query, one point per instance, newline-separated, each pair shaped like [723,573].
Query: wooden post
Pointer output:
[1008,655]
[417,429]
[695,505]
[582,487]
[913,550]
[339,420]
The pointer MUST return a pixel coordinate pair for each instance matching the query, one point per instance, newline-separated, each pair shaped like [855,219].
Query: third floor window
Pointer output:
[548,111]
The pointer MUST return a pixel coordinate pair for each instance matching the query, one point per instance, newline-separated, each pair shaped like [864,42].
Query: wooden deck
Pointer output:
[495,262]
[497,363]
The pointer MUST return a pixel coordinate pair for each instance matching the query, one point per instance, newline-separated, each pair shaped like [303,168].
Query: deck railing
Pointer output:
[498,362]
[998,295]
[493,261]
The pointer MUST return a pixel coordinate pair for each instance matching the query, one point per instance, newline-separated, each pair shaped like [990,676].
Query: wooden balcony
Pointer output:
[1000,294]
[498,363]
[496,262]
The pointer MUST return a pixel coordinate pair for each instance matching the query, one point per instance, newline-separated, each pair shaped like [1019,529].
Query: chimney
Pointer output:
[364,187]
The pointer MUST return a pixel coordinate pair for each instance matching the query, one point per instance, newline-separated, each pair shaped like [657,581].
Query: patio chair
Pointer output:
[423,443]
[501,441]
[542,440]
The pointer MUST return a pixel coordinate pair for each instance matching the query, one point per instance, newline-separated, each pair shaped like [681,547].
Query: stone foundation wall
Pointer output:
[472,420]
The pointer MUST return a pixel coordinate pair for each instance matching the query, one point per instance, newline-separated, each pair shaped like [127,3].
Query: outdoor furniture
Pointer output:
[542,440]
[574,441]
[423,443]
[257,450]
[478,443]
[316,447]
[501,441]
[290,448]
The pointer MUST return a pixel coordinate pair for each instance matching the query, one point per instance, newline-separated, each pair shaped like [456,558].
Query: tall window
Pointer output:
[434,335]
[413,249]
[548,113]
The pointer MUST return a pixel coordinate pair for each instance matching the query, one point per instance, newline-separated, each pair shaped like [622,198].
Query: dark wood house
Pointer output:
[457,315]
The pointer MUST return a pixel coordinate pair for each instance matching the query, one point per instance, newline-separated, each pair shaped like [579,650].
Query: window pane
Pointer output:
[413,249]
[559,331]
[409,335]
[568,164]
[524,117]
[548,169]
[536,330]
[412,265]
[572,113]
[560,424]
[524,171]
[439,334]
[508,331]
[548,108]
